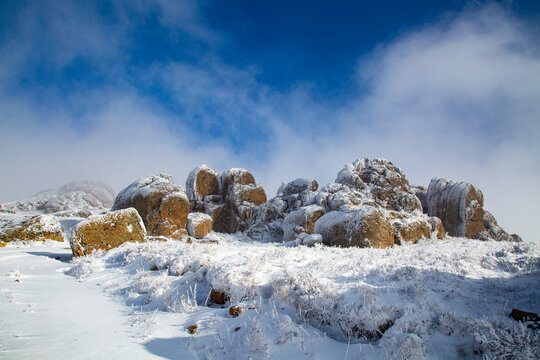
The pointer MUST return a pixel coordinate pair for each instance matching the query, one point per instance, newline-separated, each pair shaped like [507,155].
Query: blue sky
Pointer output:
[120,90]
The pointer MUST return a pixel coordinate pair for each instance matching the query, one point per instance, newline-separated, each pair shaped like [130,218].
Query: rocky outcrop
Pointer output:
[458,205]
[163,205]
[30,228]
[494,231]
[301,221]
[364,227]
[104,232]
[232,199]
[80,199]
[382,181]
[199,225]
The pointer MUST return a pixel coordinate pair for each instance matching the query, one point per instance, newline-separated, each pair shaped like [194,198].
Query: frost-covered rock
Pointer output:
[494,231]
[239,186]
[81,199]
[411,228]
[30,228]
[104,232]
[203,181]
[381,180]
[225,219]
[301,221]
[421,194]
[364,227]
[295,194]
[199,225]
[458,205]
[163,205]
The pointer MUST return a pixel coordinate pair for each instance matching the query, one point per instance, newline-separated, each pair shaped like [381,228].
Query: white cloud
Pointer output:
[460,99]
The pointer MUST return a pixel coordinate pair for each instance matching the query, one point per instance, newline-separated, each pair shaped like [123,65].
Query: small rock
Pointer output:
[218,297]
[234,311]
[199,225]
[192,329]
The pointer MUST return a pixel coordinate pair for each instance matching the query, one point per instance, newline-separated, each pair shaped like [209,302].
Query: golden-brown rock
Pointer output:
[104,232]
[203,181]
[34,228]
[365,227]
[199,225]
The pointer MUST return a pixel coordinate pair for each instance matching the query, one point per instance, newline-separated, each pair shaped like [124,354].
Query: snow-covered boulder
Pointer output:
[104,232]
[458,205]
[30,228]
[421,194]
[365,227]
[381,180]
[239,186]
[80,199]
[413,227]
[301,221]
[203,181]
[298,186]
[163,205]
[199,224]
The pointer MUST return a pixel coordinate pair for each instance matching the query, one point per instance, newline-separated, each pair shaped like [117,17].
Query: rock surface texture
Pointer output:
[458,205]
[199,225]
[30,228]
[163,205]
[104,232]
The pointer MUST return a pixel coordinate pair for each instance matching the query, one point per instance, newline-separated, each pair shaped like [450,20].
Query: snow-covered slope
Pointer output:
[81,199]
[438,299]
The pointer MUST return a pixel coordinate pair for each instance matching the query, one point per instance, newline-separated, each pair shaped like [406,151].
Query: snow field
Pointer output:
[436,299]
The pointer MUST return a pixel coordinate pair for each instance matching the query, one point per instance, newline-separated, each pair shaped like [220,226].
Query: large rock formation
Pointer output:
[108,231]
[163,205]
[382,181]
[232,199]
[458,205]
[364,227]
[30,228]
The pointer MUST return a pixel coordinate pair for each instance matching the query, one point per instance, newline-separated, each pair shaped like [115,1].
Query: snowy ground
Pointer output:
[438,299]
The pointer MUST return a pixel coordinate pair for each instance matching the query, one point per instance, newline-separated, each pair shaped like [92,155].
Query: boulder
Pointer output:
[364,227]
[239,186]
[421,194]
[381,180]
[411,228]
[199,225]
[33,228]
[104,232]
[203,181]
[224,219]
[298,186]
[301,221]
[163,205]
[458,205]
[437,227]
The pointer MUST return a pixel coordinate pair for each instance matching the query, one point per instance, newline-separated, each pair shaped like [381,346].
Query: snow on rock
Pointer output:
[104,232]
[203,181]
[458,205]
[17,227]
[364,226]
[412,228]
[199,224]
[79,199]
[163,205]
[301,221]
[494,231]
[383,181]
